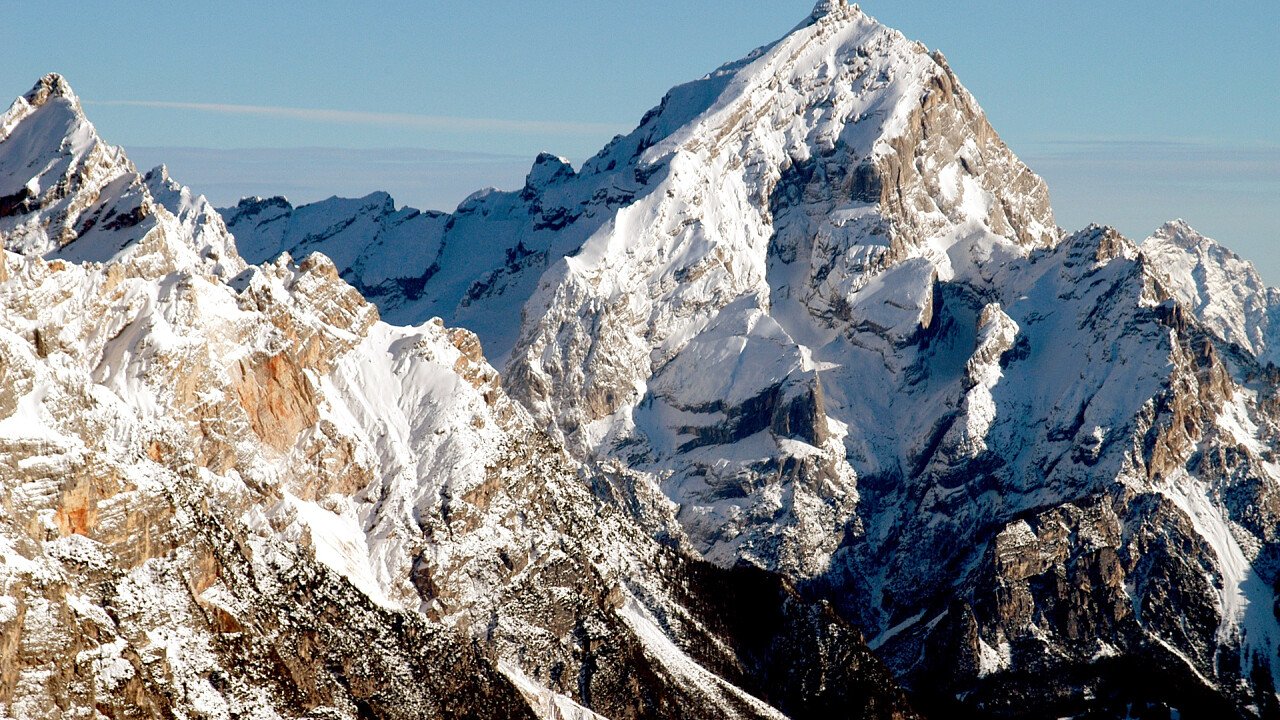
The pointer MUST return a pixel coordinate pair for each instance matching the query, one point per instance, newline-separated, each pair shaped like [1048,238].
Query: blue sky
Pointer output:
[1134,111]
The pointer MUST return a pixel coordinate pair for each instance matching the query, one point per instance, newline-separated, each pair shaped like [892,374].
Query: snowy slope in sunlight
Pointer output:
[815,302]
[802,359]
[231,490]
[65,193]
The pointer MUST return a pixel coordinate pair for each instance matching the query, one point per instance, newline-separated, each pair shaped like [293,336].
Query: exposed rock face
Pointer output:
[64,193]
[148,569]
[815,303]
[242,494]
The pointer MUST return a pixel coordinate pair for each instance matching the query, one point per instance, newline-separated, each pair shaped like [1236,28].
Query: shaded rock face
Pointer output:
[797,415]
[182,546]
[799,656]
[232,494]
[137,580]
[811,323]
[820,320]
[1161,564]
[1079,609]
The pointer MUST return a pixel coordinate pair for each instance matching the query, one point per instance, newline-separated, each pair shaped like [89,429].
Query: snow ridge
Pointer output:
[815,303]
[234,491]
[811,317]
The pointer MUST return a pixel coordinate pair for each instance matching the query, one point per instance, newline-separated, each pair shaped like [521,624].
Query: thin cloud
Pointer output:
[360,117]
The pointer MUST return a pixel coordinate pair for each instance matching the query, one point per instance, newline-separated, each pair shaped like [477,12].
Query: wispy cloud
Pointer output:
[361,117]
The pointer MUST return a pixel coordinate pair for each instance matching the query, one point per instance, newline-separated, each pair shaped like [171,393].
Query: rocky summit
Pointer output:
[793,402]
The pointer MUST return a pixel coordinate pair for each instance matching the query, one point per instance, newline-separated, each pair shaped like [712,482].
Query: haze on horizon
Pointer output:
[1134,115]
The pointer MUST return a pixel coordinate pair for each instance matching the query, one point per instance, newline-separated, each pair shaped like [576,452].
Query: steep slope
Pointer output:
[816,302]
[158,558]
[243,494]
[64,193]
[840,95]
[1222,289]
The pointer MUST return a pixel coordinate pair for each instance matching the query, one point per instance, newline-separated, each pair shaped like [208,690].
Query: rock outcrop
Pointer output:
[817,305]
[232,490]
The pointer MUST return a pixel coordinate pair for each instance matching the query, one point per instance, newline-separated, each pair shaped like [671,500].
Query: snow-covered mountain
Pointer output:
[819,305]
[66,194]
[803,355]
[232,491]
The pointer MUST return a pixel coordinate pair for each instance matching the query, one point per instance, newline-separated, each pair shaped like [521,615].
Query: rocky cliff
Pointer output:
[816,304]
[232,490]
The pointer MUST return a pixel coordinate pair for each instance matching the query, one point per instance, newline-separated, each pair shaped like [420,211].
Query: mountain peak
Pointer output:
[830,7]
[66,193]
[51,85]
[548,169]
[159,173]
[1180,233]
[55,169]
